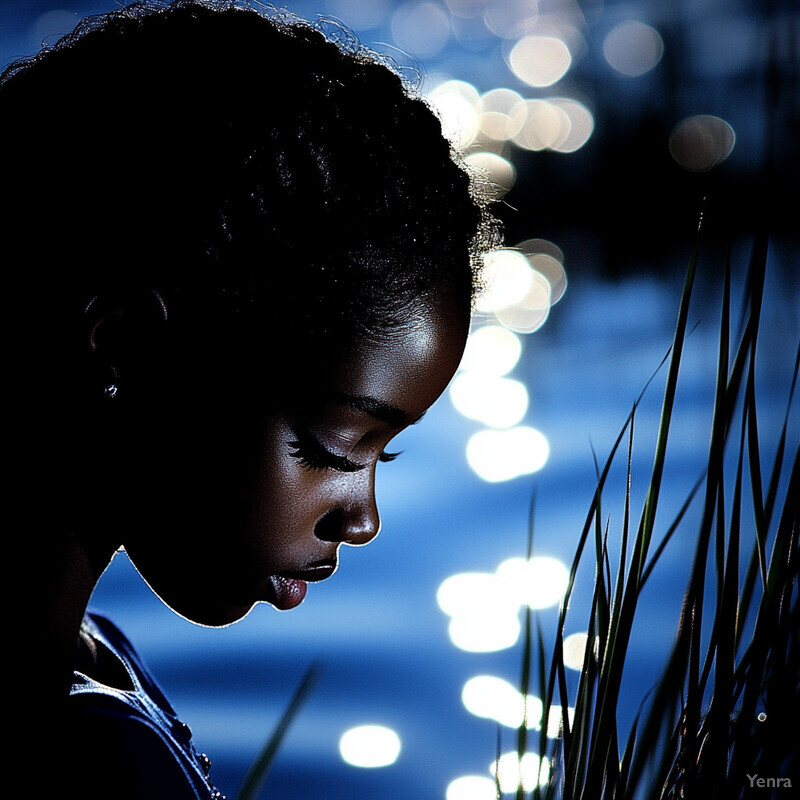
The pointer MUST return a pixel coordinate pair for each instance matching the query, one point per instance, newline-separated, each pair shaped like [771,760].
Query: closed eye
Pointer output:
[313,455]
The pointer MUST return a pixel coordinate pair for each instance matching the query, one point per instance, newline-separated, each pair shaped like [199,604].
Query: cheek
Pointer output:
[220,514]
[192,484]
[287,501]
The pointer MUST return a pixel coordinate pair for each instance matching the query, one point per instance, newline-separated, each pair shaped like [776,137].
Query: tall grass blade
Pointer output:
[525,680]
[498,753]
[614,662]
[729,687]
[257,774]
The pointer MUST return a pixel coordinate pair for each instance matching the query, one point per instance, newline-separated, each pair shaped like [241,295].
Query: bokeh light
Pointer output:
[538,582]
[701,142]
[530,312]
[540,60]
[633,48]
[574,650]
[533,247]
[469,592]
[472,33]
[547,259]
[546,126]
[370,746]
[471,787]
[495,698]
[581,124]
[519,285]
[556,123]
[507,277]
[503,113]
[521,298]
[513,772]
[555,720]
[421,29]
[484,614]
[484,606]
[495,401]
[499,172]
[554,273]
[501,455]
[485,631]
[509,19]
[491,350]
[457,103]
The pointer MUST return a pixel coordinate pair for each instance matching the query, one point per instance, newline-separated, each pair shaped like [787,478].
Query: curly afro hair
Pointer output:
[207,150]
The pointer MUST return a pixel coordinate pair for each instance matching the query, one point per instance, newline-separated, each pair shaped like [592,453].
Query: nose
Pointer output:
[354,520]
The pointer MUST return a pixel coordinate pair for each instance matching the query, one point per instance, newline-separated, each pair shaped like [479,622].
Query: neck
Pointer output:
[45,647]
[69,572]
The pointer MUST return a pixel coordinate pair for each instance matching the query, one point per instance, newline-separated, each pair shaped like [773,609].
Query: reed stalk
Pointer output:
[729,691]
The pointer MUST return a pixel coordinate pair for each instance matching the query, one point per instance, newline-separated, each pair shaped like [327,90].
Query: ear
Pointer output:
[123,330]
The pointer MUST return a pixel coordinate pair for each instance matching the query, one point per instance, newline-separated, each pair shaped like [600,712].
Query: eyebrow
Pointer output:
[385,412]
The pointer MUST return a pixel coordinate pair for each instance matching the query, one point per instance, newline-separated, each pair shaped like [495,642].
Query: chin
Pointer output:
[210,608]
[216,616]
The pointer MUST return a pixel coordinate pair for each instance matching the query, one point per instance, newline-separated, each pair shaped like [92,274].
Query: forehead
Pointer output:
[405,373]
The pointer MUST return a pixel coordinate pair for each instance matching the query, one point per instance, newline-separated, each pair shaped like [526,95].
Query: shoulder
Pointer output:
[117,751]
[123,739]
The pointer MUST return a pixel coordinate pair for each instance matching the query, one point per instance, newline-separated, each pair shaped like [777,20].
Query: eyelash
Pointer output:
[312,455]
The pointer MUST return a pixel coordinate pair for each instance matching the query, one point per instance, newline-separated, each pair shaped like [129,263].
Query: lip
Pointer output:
[313,573]
[284,592]
[287,589]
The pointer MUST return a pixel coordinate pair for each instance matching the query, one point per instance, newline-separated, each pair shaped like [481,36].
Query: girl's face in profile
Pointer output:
[232,508]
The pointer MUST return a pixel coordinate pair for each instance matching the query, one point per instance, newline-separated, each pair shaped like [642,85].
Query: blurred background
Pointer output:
[607,128]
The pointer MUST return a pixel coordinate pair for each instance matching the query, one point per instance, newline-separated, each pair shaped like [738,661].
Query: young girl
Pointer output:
[240,260]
